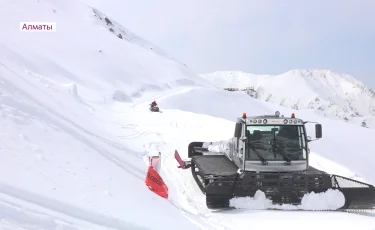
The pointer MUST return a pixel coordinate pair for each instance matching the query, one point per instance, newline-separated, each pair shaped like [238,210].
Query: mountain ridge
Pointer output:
[327,92]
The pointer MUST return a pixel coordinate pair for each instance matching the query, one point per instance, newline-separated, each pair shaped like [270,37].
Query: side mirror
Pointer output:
[238,130]
[318,131]
[309,138]
[243,138]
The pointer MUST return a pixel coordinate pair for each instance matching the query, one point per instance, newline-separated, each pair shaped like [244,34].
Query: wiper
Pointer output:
[287,160]
[262,159]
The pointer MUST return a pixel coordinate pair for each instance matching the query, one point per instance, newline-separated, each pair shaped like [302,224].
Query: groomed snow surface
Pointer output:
[76,133]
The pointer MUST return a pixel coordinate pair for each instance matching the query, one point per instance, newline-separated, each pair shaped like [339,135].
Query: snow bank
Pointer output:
[330,200]
[217,103]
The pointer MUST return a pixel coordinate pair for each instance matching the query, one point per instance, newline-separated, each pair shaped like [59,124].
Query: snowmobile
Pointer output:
[268,153]
[154,109]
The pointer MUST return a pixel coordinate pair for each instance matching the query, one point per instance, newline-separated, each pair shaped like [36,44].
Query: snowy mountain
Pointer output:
[76,132]
[123,33]
[328,93]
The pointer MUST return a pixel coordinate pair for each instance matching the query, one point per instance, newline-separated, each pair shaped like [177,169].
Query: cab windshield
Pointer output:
[276,142]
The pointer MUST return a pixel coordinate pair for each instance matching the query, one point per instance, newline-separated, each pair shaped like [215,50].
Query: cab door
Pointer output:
[237,142]
[242,144]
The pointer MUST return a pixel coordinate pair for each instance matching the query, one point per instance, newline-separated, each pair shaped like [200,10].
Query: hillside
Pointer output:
[63,156]
[326,92]
[76,131]
[108,53]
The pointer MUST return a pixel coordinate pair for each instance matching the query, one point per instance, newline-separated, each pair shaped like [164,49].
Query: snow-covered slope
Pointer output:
[76,131]
[98,54]
[326,92]
[61,159]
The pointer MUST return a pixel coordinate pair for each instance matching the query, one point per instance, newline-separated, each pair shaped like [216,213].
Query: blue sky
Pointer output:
[257,36]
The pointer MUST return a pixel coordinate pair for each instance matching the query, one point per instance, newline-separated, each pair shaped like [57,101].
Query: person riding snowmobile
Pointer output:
[153,104]
[154,107]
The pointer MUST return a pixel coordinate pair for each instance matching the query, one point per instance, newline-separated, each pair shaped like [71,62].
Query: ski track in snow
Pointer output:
[65,216]
[74,129]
